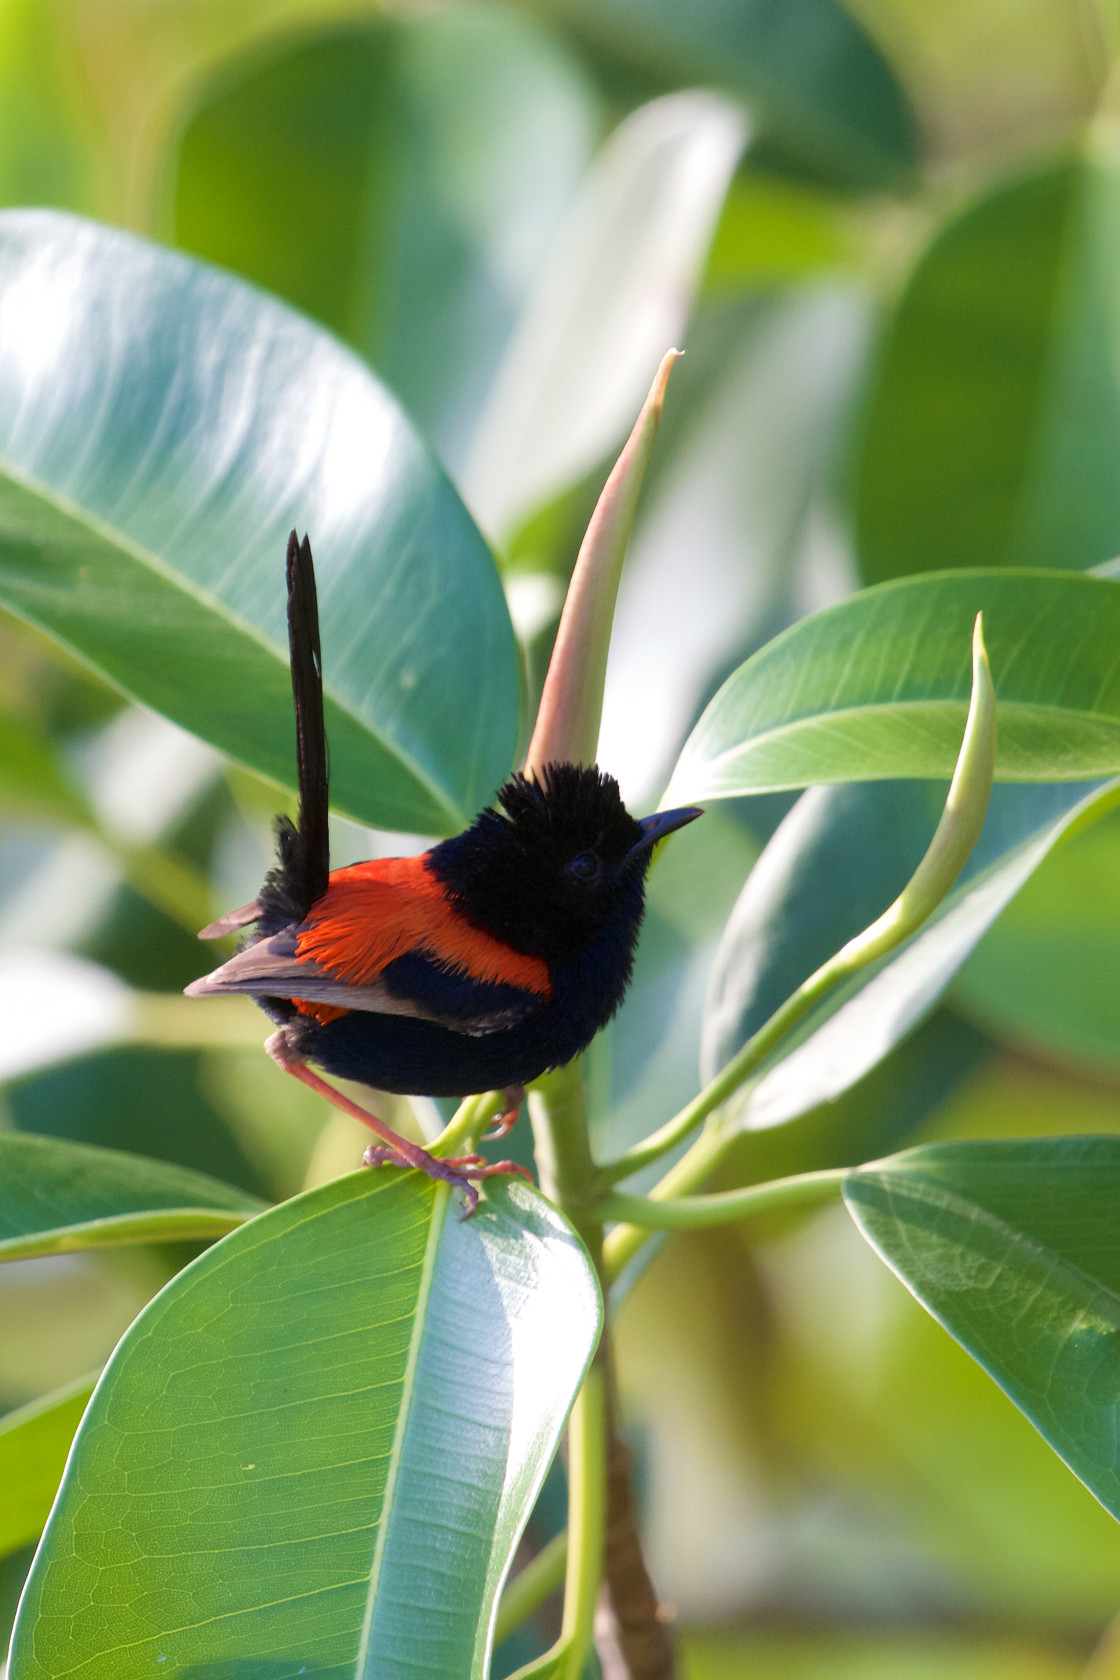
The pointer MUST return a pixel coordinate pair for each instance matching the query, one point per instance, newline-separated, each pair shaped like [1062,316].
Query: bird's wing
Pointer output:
[270,968]
[384,938]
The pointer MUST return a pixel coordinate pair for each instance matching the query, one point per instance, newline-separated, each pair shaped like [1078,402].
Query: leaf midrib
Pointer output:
[820,719]
[441,1200]
[115,538]
[933,1192]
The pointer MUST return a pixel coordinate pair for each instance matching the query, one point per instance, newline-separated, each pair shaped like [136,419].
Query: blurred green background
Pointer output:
[887,237]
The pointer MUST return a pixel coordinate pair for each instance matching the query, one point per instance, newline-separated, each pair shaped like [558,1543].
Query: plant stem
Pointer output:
[587,1452]
[682,1213]
[691,1172]
[727,1081]
[529,1589]
[568,1176]
[472,1116]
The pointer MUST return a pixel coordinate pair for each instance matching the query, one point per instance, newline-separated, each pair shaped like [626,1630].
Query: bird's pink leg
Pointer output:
[507,1119]
[397,1151]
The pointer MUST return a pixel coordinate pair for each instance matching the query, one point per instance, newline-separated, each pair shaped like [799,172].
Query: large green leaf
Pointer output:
[1013,1247]
[315,1450]
[823,92]
[878,687]
[56,1197]
[994,415]
[426,160]
[791,917]
[161,429]
[34,1442]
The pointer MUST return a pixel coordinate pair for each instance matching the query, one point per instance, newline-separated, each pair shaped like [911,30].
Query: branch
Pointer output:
[685,1213]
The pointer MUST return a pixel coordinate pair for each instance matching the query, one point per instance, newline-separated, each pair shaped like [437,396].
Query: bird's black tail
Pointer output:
[301,873]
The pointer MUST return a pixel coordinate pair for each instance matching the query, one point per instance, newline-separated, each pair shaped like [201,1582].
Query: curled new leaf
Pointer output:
[567,726]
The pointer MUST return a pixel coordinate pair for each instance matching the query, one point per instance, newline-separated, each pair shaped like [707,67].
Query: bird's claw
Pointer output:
[458,1170]
[507,1119]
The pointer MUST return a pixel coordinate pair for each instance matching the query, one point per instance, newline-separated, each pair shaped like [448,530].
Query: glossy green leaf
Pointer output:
[162,427]
[994,414]
[34,1442]
[878,687]
[1012,1247]
[426,160]
[790,918]
[56,1197]
[901,1413]
[364,1392]
[825,95]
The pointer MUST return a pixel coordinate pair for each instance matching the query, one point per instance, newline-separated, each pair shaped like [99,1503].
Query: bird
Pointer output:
[479,965]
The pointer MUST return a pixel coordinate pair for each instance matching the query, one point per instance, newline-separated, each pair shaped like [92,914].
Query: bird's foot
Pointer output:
[460,1171]
[515,1096]
[395,1151]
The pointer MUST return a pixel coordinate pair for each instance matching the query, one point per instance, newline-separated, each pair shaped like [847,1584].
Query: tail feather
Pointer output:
[303,868]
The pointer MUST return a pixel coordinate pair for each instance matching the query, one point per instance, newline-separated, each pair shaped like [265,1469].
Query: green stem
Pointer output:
[691,1173]
[583,1543]
[529,1589]
[587,1467]
[568,1174]
[728,1080]
[471,1117]
[684,1213]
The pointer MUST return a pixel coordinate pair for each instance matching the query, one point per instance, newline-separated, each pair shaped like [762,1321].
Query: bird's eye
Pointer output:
[584,867]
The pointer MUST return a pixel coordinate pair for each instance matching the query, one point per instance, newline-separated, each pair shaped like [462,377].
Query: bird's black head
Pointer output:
[561,862]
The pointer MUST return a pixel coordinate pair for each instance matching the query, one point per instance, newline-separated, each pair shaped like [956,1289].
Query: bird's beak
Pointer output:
[655,828]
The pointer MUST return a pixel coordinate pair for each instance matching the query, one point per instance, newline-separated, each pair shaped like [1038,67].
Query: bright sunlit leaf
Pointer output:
[318,1446]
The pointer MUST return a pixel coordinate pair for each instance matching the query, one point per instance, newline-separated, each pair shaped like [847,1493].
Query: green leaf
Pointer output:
[426,160]
[612,300]
[34,1442]
[162,426]
[790,918]
[364,1392]
[994,416]
[824,95]
[56,1197]
[1012,1247]
[878,687]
